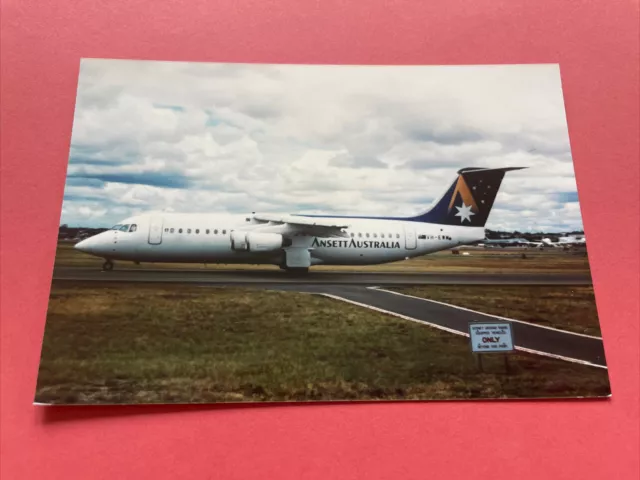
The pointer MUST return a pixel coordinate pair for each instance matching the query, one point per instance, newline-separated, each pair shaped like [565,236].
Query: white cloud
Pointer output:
[335,139]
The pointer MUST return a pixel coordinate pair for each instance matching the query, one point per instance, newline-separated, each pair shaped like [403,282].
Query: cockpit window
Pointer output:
[116,227]
[134,227]
[124,228]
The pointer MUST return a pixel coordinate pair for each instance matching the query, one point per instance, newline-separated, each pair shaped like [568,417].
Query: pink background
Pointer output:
[596,44]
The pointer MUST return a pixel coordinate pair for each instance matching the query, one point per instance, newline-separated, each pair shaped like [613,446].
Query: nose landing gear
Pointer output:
[107,266]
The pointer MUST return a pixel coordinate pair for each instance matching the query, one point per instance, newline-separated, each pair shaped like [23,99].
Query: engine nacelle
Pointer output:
[264,242]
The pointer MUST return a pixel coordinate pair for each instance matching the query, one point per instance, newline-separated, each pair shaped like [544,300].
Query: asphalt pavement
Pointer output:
[248,277]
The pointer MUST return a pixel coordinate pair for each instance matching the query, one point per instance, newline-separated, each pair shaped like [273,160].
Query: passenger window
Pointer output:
[207,231]
[375,235]
[180,231]
[224,232]
[171,230]
[197,230]
[367,235]
[215,232]
[353,234]
[134,227]
[360,235]
[397,235]
[165,230]
[382,235]
[188,230]
[422,237]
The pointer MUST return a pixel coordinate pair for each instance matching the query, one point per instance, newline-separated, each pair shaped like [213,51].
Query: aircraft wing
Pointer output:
[318,226]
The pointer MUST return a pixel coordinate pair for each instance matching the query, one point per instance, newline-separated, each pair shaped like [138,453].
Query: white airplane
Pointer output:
[566,242]
[510,242]
[297,242]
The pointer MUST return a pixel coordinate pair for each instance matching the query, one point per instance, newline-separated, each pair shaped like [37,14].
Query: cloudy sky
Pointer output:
[197,137]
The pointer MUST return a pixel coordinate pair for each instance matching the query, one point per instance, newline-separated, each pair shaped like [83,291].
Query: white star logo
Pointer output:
[464,212]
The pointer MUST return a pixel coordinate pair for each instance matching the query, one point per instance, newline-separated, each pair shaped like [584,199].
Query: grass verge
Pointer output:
[162,344]
[567,307]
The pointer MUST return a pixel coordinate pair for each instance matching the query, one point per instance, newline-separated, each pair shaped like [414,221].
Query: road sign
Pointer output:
[491,337]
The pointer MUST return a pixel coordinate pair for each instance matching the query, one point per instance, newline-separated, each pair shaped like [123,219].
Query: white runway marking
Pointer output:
[457,332]
[486,314]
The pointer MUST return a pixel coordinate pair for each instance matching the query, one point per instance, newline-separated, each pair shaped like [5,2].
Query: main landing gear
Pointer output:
[107,266]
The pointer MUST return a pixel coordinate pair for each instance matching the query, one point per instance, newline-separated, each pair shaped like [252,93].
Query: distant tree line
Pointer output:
[70,233]
[530,236]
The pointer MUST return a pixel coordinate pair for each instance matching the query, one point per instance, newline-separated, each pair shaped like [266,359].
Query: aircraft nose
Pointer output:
[88,245]
[85,245]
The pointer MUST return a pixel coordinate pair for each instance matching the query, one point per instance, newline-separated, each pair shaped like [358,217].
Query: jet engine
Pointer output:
[264,242]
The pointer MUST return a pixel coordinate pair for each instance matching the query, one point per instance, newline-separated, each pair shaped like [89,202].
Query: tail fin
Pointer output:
[469,199]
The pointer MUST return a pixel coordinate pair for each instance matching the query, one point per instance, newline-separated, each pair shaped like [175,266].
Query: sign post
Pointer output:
[493,337]
[479,362]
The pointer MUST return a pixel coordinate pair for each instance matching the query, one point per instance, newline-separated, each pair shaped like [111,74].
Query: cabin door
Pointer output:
[155,230]
[410,238]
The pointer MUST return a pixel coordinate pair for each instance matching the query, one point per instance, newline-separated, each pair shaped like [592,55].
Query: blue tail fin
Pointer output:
[469,199]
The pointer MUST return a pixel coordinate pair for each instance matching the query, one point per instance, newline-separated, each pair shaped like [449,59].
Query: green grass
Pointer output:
[567,307]
[478,261]
[151,344]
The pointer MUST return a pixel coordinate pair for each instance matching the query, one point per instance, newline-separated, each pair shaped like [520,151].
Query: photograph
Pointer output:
[235,233]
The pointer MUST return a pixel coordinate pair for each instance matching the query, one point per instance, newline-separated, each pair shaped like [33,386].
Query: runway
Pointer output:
[270,277]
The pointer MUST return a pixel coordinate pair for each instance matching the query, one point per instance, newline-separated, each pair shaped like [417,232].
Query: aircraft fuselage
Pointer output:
[204,238]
